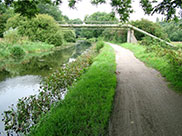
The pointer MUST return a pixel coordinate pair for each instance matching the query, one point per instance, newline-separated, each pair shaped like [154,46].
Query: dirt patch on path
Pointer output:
[143,105]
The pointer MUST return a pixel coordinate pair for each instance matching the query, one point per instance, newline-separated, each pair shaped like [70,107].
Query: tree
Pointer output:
[173,29]
[97,18]
[2,8]
[101,18]
[123,7]
[75,21]
[51,10]
[150,27]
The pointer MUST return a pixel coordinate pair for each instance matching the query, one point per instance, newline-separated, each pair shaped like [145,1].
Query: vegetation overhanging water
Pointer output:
[38,66]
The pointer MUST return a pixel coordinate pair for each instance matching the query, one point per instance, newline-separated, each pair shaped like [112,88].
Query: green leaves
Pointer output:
[122,7]
[26,8]
[147,6]
[41,28]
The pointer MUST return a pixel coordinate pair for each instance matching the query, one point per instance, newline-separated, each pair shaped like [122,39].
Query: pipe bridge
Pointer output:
[130,35]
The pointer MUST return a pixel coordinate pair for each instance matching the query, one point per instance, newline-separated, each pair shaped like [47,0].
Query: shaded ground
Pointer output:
[144,105]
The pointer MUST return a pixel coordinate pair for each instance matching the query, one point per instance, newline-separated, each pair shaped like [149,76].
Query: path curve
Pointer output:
[143,105]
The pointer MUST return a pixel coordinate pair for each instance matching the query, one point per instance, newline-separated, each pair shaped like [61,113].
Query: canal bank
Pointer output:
[28,82]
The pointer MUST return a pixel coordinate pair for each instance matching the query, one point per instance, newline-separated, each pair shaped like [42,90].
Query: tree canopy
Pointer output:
[122,7]
[97,18]
[100,18]
[52,11]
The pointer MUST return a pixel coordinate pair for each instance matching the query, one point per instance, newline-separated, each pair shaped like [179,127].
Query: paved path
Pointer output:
[143,105]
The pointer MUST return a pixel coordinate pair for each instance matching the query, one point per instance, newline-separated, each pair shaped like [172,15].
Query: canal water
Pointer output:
[14,88]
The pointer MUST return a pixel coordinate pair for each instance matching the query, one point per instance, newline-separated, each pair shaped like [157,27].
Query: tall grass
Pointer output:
[87,106]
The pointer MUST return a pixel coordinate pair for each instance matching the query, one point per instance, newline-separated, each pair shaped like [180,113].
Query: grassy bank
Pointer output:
[87,105]
[160,63]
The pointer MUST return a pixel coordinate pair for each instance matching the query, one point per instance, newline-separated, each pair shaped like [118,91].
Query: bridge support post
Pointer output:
[131,37]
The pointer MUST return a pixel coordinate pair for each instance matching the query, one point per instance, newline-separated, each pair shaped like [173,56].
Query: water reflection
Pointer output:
[14,88]
[22,86]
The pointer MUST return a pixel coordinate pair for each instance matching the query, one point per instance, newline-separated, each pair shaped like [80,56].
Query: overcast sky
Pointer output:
[84,7]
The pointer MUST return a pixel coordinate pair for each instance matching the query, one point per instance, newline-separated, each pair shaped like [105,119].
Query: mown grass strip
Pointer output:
[87,106]
[159,63]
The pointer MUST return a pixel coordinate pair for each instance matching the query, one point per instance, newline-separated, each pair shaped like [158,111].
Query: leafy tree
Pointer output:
[173,29]
[41,28]
[51,10]
[101,18]
[150,27]
[97,18]
[75,21]
[28,8]
[123,7]
[2,8]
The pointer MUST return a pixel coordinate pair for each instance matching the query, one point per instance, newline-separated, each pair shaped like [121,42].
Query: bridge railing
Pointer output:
[130,36]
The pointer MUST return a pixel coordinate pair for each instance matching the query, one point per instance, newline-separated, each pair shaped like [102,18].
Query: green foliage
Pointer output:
[54,38]
[17,52]
[2,8]
[86,109]
[51,10]
[99,45]
[11,36]
[92,40]
[32,49]
[3,19]
[30,109]
[101,18]
[150,27]
[166,60]
[15,21]
[97,18]
[122,7]
[115,35]
[4,52]
[41,28]
[173,29]
[75,21]
[28,8]
[69,35]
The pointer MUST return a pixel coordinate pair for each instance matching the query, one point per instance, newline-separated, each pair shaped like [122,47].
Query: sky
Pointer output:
[84,8]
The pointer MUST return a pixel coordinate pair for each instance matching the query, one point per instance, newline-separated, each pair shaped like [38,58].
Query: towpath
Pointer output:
[143,105]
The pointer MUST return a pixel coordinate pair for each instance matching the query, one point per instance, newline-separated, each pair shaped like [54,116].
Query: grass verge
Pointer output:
[159,63]
[87,106]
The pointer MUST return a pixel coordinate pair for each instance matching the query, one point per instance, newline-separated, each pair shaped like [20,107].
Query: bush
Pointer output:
[41,28]
[69,36]
[99,45]
[3,19]
[150,27]
[17,52]
[11,36]
[55,38]
[15,21]
[92,40]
